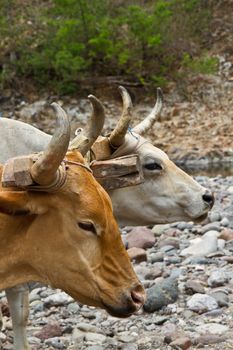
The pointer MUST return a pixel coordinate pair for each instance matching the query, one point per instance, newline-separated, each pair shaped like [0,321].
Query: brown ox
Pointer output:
[67,238]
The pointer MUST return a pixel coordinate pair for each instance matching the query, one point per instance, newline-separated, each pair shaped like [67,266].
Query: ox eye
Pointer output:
[153,166]
[87,226]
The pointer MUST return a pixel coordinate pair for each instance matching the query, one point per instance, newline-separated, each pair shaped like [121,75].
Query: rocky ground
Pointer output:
[186,268]
[187,272]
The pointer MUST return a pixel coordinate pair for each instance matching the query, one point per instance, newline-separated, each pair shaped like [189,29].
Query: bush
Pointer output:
[67,39]
[203,64]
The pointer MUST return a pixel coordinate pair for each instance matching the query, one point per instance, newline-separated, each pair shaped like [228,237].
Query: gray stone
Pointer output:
[208,339]
[159,229]
[199,260]
[161,294]
[153,273]
[171,332]
[87,327]
[221,297]
[225,222]
[230,189]
[172,260]
[33,109]
[182,225]
[213,313]
[127,337]
[151,327]
[214,216]
[167,249]
[171,241]
[176,272]
[142,271]
[217,278]
[57,299]
[77,335]
[38,307]
[213,328]
[160,319]
[73,308]
[201,303]
[156,257]
[202,246]
[34,295]
[129,346]
[56,343]
[3,337]
[212,226]
[95,337]
[192,287]
[221,244]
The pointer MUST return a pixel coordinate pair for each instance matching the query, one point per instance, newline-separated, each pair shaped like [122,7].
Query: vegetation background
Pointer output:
[57,44]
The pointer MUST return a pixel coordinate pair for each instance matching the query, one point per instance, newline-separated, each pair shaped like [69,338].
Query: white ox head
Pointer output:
[168,193]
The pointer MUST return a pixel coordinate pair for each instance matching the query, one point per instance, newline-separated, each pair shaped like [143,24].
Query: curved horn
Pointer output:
[118,134]
[84,140]
[148,122]
[45,168]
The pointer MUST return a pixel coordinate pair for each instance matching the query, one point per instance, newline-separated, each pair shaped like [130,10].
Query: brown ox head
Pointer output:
[67,238]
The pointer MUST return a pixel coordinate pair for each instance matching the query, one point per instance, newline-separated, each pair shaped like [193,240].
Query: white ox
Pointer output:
[167,195]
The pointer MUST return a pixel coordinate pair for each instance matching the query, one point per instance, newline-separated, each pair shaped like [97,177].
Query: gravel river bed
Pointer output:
[187,271]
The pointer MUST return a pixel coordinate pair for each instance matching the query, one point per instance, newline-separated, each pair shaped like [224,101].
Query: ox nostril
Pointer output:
[208,197]
[138,296]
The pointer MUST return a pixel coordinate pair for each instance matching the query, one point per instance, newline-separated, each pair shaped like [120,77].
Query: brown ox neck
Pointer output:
[13,267]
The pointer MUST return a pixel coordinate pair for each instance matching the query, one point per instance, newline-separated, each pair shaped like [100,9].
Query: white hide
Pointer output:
[166,196]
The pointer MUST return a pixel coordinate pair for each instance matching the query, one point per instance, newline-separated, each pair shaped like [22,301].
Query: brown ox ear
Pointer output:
[19,203]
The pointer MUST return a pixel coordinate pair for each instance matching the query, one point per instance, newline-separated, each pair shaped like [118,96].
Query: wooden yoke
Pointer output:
[111,174]
[16,172]
[101,148]
[118,172]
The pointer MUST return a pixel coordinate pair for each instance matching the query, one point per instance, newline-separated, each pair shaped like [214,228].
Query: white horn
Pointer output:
[85,139]
[148,122]
[117,136]
[44,170]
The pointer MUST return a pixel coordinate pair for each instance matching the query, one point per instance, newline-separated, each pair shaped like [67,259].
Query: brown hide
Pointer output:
[70,240]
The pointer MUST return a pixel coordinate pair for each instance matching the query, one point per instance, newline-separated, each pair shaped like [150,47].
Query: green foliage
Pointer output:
[159,81]
[203,64]
[59,44]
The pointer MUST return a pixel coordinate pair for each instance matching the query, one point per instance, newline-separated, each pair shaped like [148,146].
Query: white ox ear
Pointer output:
[21,203]
[149,121]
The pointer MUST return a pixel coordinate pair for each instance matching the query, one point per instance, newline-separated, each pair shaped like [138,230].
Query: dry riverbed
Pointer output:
[186,268]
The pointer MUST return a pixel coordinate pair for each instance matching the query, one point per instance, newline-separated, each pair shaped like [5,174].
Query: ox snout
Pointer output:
[131,302]
[208,198]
